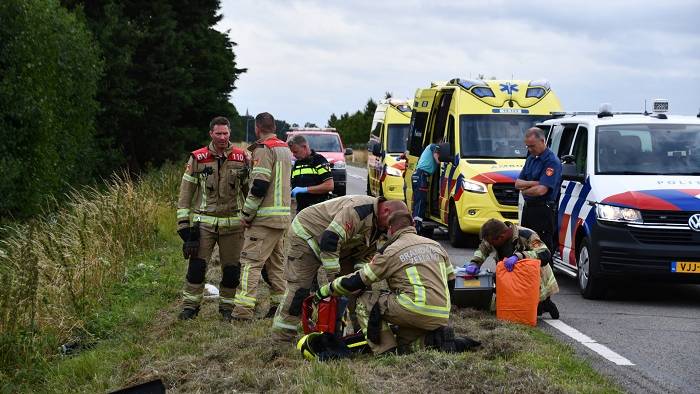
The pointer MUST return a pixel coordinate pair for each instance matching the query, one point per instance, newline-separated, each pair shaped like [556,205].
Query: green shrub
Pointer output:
[49,68]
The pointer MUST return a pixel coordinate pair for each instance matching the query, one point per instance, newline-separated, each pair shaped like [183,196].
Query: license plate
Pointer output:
[685,267]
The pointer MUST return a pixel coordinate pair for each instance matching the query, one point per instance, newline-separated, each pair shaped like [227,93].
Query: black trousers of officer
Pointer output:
[540,217]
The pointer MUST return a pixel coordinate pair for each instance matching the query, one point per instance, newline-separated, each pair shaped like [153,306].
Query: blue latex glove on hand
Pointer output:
[299,189]
[509,263]
[472,269]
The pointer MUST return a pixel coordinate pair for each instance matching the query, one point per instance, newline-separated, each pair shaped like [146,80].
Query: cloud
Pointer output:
[308,59]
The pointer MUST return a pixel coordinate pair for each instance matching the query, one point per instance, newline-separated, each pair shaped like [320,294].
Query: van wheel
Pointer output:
[458,238]
[592,286]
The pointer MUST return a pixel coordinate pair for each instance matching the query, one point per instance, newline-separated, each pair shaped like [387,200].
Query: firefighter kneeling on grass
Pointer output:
[327,234]
[511,244]
[414,313]
[211,193]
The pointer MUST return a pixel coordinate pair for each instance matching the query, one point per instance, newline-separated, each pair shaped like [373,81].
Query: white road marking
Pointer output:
[588,342]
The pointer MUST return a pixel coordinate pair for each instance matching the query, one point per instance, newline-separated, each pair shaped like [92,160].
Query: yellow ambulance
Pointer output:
[386,147]
[479,127]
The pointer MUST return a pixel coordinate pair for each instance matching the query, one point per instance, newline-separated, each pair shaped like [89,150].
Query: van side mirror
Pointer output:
[569,171]
[444,154]
[348,151]
[377,149]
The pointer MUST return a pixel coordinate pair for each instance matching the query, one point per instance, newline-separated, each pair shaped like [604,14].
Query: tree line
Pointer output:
[88,87]
[354,128]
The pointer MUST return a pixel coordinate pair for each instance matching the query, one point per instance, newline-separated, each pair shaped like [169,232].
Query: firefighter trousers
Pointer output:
[548,283]
[299,272]
[262,247]
[411,327]
[230,241]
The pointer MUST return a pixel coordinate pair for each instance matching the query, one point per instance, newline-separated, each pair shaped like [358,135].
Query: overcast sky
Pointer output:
[308,59]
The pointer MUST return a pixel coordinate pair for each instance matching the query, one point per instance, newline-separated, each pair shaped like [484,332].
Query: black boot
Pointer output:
[442,339]
[550,307]
[226,315]
[188,313]
[271,312]
[462,344]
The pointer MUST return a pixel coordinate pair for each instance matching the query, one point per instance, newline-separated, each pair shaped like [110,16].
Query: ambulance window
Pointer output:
[377,129]
[441,118]
[567,137]
[547,133]
[580,151]
[418,121]
[451,134]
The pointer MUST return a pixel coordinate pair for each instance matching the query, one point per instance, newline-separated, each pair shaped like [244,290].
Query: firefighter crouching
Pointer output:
[265,214]
[211,194]
[512,243]
[321,235]
[420,278]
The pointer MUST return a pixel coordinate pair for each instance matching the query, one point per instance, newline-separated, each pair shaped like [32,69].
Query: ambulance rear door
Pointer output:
[419,121]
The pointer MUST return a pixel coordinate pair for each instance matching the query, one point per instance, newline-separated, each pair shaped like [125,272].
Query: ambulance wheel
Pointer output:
[458,238]
[592,286]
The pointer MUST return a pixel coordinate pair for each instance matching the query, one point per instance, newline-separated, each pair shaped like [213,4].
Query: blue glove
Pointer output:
[472,269]
[509,263]
[299,189]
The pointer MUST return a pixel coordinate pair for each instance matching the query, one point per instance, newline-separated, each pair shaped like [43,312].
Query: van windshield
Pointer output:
[397,135]
[498,136]
[323,142]
[668,149]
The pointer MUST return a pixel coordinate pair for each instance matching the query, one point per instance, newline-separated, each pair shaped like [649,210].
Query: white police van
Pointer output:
[629,203]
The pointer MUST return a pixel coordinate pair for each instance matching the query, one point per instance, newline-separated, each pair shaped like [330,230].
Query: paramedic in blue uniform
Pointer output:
[539,182]
[427,164]
[312,180]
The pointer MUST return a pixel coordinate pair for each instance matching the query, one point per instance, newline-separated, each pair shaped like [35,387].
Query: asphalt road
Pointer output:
[656,327]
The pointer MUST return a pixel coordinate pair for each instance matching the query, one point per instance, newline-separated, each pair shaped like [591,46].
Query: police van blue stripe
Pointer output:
[582,196]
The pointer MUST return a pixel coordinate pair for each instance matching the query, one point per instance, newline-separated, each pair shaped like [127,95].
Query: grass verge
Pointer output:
[134,336]
[144,341]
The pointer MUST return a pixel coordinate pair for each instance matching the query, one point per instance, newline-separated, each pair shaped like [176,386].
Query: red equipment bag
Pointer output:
[320,317]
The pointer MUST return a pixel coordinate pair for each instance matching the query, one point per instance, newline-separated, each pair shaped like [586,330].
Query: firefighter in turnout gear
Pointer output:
[344,229]
[211,194]
[420,278]
[512,243]
[265,215]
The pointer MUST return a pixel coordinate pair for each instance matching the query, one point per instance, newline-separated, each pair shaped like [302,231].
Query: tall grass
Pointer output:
[55,269]
[359,157]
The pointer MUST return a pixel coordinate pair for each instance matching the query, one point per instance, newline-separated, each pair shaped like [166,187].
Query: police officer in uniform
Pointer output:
[211,195]
[420,278]
[312,179]
[265,214]
[539,182]
[329,235]
[513,243]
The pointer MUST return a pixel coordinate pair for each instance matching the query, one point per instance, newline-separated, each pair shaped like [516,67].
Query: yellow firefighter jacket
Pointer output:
[269,199]
[213,187]
[338,225]
[416,269]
